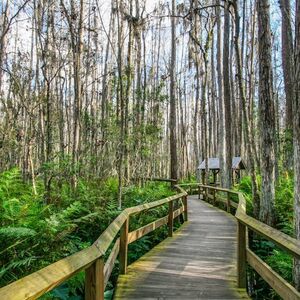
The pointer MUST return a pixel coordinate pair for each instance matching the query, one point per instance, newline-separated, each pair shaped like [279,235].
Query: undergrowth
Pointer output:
[34,235]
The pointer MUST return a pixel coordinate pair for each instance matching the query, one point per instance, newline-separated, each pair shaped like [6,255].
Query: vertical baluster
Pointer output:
[214,197]
[170,218]
[185,205]
[228,202]
[124,247]
[241,257]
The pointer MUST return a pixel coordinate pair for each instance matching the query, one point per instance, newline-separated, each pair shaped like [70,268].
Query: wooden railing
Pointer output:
[244,254]
[91,259]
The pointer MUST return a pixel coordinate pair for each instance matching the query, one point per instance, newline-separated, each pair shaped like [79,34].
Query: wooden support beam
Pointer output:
[185,205]
[214,177]
[109,265]
[94,281]
[177,212]
[228,202]
[137,234]
[203,176]
[241,256]
[199,192]
[170,219]
[214,197]
[124,247]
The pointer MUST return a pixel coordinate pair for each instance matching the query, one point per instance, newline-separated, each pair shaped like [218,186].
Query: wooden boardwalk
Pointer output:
[198,262]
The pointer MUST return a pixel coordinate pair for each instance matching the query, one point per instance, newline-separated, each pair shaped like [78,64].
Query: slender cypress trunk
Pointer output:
[296,111]
[288,71]
[266,114]
[227,100]
[173,139]
[221,135]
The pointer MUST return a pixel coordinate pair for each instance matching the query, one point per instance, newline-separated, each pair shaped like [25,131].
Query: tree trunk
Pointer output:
[221,135]
[173,139]
[266,114]
[287,65]
[248,137]
[296,111]
[227,100]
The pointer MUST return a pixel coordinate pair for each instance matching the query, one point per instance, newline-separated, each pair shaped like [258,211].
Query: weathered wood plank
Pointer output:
[94,281]
[210,187]
[282,287]
[137,234]
[214,197]
[123,253]
[109,264]
[185,204]
[146,206]
[228,202]
[170,219]
[161,179]
[234,204]
[178,212]
[107,237]
[241,256]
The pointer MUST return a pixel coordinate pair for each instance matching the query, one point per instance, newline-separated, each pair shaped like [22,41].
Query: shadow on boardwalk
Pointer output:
[197,263]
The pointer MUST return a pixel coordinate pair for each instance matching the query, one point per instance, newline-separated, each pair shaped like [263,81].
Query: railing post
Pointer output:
[94,281]
[199,192]
[124,247]
[185,205]
[170,218]
[241,256]
[206,194]
[214,197]
[228,202]
[191,190]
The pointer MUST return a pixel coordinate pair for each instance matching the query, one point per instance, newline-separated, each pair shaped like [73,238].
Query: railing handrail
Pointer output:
[44,280]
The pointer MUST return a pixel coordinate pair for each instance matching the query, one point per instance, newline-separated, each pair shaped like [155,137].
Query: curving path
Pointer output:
[198,262]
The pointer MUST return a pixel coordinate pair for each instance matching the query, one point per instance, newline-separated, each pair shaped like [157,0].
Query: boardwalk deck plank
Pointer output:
[197,263]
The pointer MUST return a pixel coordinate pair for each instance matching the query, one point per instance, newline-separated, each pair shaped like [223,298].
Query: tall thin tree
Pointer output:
[266,114]
[173,139]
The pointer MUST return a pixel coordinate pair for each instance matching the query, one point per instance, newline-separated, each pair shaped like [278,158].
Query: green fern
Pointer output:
[16,232]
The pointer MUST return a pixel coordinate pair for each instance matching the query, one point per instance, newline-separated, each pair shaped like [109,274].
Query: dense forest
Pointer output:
[97,95]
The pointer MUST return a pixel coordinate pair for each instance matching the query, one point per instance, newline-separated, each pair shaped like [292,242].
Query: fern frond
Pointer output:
[16,232]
